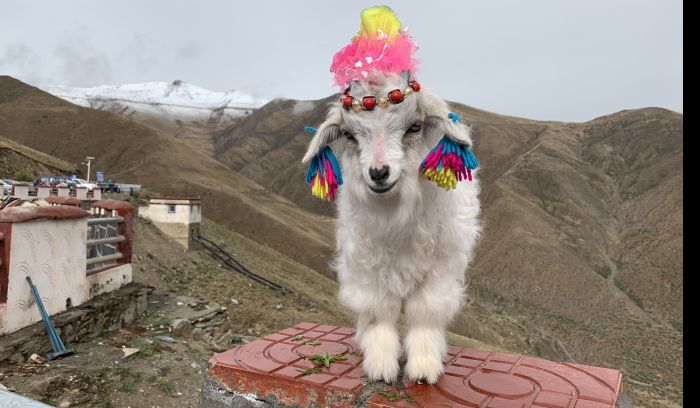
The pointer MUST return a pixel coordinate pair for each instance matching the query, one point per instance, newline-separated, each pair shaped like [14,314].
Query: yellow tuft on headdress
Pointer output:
[377,20]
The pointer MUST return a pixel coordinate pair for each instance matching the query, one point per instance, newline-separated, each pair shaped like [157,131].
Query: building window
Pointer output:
[171,208]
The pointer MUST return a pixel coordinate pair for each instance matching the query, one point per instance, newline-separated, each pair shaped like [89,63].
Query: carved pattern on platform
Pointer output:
[498,380]
[273,366]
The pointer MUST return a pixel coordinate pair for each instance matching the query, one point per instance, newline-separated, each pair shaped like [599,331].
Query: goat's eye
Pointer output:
[415,127]
[349,135]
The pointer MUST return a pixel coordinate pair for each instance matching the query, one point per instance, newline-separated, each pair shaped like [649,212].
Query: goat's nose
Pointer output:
[379,175]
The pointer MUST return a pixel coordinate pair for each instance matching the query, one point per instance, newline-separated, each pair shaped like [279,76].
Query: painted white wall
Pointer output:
[21,191]
[184,213]
[108,280]
[53,254]
[81,193]
[43,191]
[195,213]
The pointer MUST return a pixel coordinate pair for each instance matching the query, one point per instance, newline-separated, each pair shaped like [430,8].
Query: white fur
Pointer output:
[407,247]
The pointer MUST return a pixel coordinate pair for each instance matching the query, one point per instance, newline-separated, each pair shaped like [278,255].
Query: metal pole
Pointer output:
[44,316]
[59,349]
[89,160]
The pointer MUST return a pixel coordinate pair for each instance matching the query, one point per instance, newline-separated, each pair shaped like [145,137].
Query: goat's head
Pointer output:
[382,136]
[381,149]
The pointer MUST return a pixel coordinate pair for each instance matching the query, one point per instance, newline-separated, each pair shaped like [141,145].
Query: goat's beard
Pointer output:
[395,211]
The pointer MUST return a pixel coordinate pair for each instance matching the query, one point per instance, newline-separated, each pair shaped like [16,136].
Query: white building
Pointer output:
[177,217]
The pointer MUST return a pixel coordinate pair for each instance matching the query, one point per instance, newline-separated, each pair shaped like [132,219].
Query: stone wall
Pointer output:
[104,313]
[179,233]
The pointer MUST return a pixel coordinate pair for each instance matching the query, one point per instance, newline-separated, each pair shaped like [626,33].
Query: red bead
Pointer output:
[396,96]
[368,102]
[415,85]
[347,102]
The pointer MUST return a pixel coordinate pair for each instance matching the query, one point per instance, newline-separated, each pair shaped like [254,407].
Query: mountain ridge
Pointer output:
[167,94]
[186,111]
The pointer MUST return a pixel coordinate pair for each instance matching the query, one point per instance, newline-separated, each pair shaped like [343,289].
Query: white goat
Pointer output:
[401,239]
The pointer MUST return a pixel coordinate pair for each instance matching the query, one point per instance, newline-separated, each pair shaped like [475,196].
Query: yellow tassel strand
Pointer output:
[444,178]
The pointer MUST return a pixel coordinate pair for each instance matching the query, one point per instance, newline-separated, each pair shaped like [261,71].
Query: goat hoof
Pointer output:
[424,368]
[381,368]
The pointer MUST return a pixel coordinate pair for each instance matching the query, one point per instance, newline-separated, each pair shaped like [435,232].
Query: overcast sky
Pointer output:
[559,60]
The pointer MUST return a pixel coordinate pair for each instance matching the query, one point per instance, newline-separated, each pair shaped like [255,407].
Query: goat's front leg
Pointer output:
[379,340]
[428,311]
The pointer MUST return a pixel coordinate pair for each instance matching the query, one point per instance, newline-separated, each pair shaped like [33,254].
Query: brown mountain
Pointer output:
[267,145]
[129,152]
[583,237]
[196,133]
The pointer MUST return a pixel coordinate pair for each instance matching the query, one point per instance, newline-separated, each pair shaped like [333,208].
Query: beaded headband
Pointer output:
[368,103]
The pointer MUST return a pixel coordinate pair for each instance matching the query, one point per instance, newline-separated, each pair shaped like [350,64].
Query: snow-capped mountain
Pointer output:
[188,112]
[176,100]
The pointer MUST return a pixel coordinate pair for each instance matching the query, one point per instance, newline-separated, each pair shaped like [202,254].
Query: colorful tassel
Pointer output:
[323,175]
[449,162]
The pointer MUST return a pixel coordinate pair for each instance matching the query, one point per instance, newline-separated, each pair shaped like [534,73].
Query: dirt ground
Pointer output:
[160,374]
[164,374]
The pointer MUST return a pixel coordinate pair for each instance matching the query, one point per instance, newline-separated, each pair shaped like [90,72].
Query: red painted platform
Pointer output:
[274,367]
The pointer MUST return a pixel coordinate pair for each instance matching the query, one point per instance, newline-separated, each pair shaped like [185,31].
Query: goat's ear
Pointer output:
[327,132]
[437,120]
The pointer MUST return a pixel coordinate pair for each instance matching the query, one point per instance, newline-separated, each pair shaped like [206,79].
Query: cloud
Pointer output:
[73,61]
[302,107]
[21,61]
[189,51]
[538,60]
[79,63]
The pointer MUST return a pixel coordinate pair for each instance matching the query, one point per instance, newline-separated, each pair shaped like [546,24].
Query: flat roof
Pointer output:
[175,200]
[57,212]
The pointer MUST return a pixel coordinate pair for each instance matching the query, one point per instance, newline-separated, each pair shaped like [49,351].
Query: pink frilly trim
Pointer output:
[366,54]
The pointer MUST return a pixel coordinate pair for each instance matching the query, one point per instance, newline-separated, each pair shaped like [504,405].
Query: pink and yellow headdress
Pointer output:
[384,46]
[381,45]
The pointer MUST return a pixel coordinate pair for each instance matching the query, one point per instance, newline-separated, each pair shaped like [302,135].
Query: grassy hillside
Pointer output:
[16,158]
